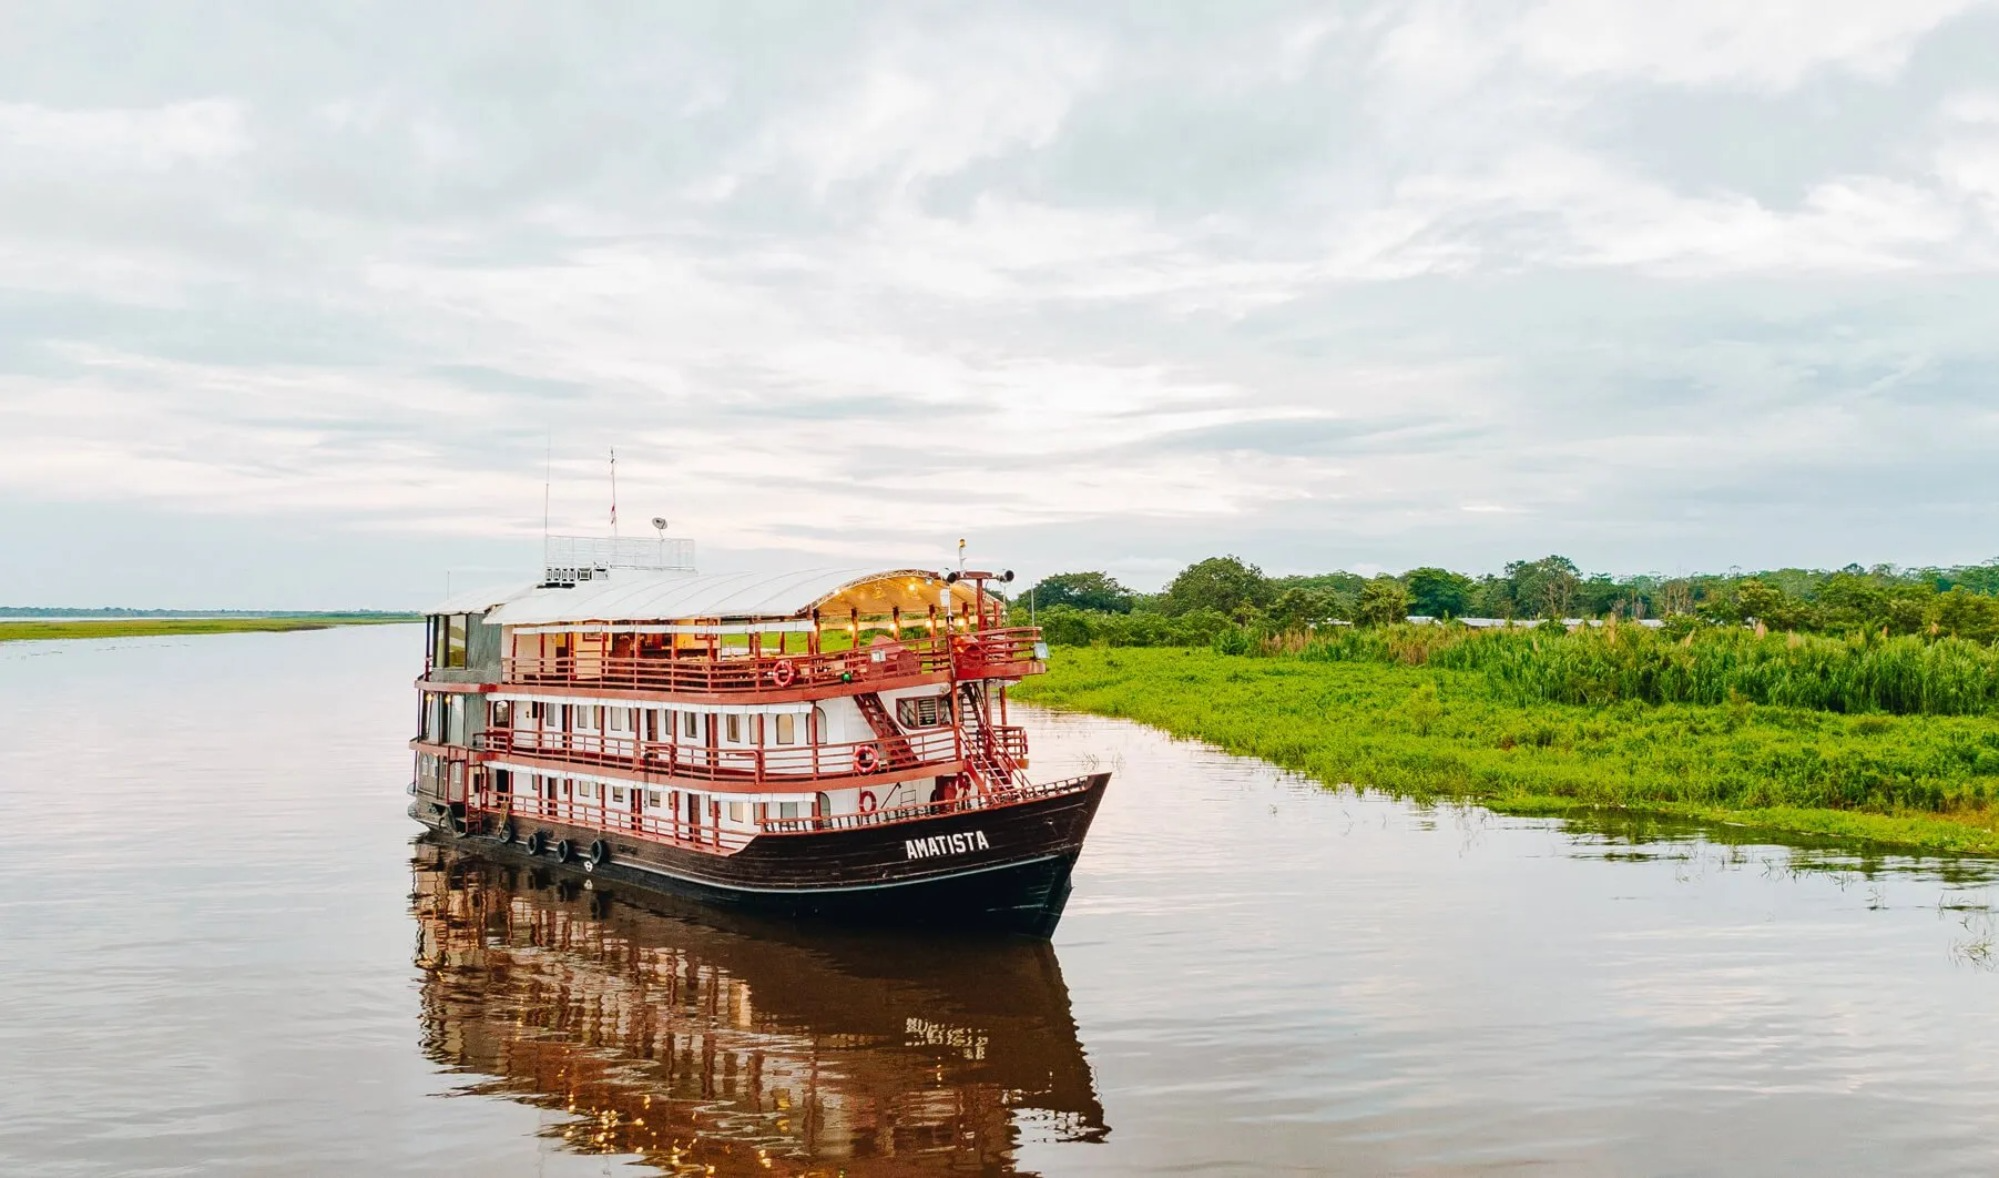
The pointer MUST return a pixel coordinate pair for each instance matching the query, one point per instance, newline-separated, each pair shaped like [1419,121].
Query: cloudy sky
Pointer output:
[294,307]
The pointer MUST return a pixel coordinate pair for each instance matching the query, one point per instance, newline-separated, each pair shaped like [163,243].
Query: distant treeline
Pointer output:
[1226,600]
[54,611]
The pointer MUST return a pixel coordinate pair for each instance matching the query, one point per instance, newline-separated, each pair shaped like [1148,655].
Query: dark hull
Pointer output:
[1005,868]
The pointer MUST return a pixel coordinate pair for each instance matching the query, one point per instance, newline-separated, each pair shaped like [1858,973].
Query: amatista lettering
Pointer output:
[946,844]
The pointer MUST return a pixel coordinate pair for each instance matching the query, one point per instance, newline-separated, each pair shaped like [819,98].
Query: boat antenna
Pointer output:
[961,554]
[614,492]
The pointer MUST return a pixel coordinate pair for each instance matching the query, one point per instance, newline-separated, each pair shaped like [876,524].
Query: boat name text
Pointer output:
[946,844]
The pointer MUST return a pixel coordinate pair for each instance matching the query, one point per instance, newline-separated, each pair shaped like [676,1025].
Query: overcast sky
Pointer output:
[293,305]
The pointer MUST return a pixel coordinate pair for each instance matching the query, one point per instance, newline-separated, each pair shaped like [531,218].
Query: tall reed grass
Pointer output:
[1905,676]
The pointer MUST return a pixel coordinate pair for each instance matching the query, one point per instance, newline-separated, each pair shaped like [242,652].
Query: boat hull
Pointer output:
[1003,868]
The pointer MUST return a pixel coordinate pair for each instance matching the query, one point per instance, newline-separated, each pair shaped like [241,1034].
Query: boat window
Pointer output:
[618,795]
[787,809]
[454,641]
[693,723]
[734,726]
[503,713]
[735,811]
[652,798]
[924,711]
[787,728]
[818,725]
[621,719]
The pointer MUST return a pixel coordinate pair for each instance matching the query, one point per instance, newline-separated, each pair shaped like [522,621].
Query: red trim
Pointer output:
[668,779]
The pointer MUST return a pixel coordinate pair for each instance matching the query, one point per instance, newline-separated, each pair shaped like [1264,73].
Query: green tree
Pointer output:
[1968,615]
[1852,600]
[1091,591]
[1491,597]
[1299,609]
[1221,583]
[1439,593]
[1338,593]
[1771,606]
[1549,587]
[1384,602]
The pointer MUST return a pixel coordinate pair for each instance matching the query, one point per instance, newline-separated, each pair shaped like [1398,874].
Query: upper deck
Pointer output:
[680,636]
[1008,654]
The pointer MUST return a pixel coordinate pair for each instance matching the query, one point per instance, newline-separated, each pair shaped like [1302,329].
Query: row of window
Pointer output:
[639,800]
[650,724]
[925,711]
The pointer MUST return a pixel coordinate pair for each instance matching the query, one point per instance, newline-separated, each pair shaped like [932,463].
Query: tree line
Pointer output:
[1225,593]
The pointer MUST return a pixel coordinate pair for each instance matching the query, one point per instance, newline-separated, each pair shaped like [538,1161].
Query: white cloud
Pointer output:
[1967,159]
[922,106]
[1559,207]
[204,130]
[1770,45]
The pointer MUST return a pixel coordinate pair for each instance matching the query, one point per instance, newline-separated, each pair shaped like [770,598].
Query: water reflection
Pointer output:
[696,1040]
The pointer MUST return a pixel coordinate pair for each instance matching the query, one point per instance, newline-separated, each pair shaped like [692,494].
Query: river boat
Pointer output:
[827,744]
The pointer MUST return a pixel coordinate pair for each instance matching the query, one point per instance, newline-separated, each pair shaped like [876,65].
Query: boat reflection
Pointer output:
[701,1041]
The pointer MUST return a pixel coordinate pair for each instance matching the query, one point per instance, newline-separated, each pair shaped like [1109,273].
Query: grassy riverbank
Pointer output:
[1929,781]
[43,630]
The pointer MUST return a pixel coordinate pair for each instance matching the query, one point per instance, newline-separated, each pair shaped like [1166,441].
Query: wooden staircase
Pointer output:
[896,753]
[990,762]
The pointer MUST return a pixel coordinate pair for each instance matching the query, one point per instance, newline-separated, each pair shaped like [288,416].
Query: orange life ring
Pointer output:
[867,758]
[868,802]
[783,672]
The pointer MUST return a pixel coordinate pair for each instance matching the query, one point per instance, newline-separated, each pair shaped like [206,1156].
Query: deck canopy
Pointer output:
[631,596]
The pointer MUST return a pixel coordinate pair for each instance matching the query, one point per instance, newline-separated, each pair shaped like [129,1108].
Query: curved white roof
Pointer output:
[625,595]
[473,601]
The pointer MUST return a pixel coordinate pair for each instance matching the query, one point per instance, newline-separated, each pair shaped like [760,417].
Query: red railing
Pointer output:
[999,654]
[990,654]
[609,813]
[1010,742]
[794,765]
[958,805]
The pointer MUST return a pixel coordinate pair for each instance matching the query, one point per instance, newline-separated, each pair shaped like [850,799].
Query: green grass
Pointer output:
[1863,672]
[37,630]
[1431,732]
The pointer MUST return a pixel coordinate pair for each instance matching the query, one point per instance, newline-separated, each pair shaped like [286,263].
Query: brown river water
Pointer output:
[226,953]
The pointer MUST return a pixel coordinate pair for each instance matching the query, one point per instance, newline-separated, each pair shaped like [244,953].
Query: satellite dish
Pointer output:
[659,522]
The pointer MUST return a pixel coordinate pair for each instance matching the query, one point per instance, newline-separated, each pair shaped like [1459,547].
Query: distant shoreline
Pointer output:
[63,613]
[16,628]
